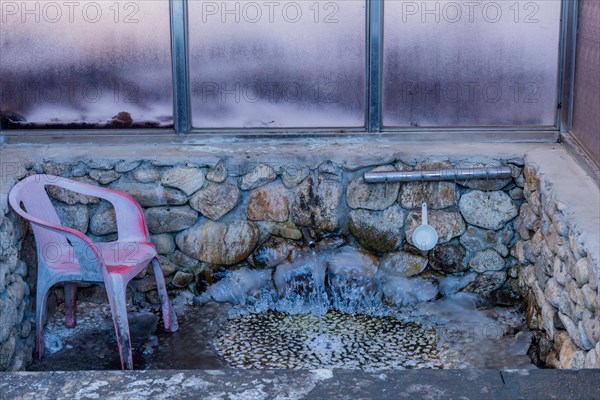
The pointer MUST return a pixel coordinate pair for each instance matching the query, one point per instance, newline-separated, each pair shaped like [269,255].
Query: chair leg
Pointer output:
[40,310]
[118,306]
[70,304]
[169,317]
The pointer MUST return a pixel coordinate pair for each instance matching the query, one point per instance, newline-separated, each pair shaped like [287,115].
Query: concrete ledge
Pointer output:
[317,384]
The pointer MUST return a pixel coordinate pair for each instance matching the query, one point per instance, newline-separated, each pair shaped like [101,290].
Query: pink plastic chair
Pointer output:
[67,255]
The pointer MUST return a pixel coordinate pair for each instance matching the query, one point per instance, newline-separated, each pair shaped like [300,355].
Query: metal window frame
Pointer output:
[373,107]
[568,50]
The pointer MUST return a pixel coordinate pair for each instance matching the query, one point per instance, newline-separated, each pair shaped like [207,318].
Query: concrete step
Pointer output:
[303,384]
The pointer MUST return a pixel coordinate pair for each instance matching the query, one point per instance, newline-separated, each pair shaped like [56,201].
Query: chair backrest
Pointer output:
[31,193]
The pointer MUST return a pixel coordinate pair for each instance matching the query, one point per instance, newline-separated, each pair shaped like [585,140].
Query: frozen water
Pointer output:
[319,295]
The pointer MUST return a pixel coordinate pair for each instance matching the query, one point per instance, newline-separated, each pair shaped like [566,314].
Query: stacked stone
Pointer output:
[473,219]
[201,218]
[206,219]
[559,278]
[16,340]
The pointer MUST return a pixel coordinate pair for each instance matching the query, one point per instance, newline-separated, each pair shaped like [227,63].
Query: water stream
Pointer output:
[326,308]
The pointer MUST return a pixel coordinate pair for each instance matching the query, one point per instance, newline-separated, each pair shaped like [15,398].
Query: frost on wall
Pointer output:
[85,64]
[474,63]
[278,64]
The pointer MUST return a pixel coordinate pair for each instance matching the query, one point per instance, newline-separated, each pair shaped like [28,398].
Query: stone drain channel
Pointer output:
[222,336]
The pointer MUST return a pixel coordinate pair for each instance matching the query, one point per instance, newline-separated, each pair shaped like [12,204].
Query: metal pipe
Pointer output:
[308,237]
[458,174]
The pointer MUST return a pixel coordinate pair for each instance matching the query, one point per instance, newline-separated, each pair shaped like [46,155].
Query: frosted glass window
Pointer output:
[279,64]
[85,64]
[470,63]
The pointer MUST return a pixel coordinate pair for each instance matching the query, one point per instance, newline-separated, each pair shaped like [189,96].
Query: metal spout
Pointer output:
[308,237]
[458,174]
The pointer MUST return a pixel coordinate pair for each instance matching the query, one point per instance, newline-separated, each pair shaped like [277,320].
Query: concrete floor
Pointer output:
[303,384]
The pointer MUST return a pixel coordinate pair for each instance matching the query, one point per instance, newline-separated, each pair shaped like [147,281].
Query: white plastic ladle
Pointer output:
[424,237]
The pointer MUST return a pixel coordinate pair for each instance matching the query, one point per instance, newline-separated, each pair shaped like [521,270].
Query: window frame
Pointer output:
[373,104]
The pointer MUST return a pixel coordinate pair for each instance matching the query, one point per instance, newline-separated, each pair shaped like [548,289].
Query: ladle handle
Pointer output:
[424,214]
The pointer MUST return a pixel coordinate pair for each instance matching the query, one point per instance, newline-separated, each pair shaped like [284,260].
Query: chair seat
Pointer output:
[126,254]
[119,257]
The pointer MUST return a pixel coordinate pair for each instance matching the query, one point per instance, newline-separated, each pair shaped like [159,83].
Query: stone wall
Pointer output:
[207,219]
[559,279]
[16,323]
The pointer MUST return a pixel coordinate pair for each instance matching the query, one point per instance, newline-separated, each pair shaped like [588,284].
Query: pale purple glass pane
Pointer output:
[280,64]
[470,63]
[79,64]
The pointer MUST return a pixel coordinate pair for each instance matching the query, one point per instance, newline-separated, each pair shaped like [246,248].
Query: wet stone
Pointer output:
[293,175]
[330,171]
[164,243]
[268,203]
[590,359]
[448,258]
[217,243]
[504,297]
[589,296]
[182,279]
[146,175]
[578,337]
[145,284]
[186,179]
[170,219]
[218,174]
[126,166]
[407,291]
[215,200]
[75,216]
[380,231]
[101,164]
[79,170]
[437,195]
[554,292]
[351,262]
[531,176]
[591,326]
[152,194]
[487,210]
[7,350]
[487,282]
[166,266]
[287,230]
[104,177]
[487,260]
[528,216]
[57,169]
[70,197]
[454,283]
[477,239]
[581,271]
[315,203]
[260,175]
[486,184]
[104,220]
[180,258]
[403,264]
[372,196]
[274,252]
[516,193]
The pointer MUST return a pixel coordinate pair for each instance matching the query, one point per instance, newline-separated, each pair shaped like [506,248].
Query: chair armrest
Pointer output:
[131,225]
[88,255]
[130,217]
